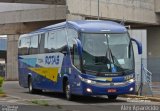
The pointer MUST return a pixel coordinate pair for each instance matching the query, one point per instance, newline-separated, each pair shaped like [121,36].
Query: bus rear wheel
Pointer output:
[67,91]
[112,97]
[30,87]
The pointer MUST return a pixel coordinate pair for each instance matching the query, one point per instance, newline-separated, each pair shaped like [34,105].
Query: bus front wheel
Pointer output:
[112,97]
[68,91]
[30,87]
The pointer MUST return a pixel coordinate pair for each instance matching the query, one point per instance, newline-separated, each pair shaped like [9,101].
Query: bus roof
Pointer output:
[90,26]
[98,26]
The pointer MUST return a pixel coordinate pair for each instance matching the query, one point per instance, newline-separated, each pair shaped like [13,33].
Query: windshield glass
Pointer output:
[107,52]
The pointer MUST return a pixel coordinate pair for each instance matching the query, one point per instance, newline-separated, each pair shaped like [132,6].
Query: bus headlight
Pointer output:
[131,80]
[89,90]
[131,89]
[87,80]
[128,77]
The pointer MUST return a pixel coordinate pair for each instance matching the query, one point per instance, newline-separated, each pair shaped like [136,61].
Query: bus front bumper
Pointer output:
[89,89]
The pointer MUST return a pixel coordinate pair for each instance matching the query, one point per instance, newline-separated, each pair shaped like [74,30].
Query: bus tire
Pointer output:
[30,87]
[112,97]
[67,91]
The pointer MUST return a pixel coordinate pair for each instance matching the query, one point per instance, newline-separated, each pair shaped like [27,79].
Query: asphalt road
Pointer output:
[20,100]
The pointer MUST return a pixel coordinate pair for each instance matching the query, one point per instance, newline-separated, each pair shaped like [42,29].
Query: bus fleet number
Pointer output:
[52,60]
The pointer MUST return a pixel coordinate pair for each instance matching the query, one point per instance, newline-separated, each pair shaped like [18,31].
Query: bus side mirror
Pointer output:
[139,45]
[79,46]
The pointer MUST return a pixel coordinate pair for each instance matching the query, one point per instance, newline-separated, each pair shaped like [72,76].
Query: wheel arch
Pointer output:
[65,79]
[28,77]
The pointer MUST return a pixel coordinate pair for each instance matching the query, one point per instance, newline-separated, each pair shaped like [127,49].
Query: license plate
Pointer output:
[111,90]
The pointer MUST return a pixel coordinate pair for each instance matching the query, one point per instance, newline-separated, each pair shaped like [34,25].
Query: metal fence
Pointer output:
[153,65]
[148,81]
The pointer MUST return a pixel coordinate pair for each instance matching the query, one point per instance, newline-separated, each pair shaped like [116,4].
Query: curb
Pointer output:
[155,99]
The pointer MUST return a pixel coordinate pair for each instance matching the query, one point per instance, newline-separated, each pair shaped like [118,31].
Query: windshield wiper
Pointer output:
[108,58]
[115,61]
[113,58]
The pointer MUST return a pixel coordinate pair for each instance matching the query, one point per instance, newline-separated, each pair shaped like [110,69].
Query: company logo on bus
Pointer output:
[52,60]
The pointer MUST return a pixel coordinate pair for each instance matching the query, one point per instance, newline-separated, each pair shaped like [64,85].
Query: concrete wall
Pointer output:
[138,11]
[16,6]
[154,52]
[153,42]
[12,57]
[157,6]
[60,2]
[54,12]
[21,28]
[141,36]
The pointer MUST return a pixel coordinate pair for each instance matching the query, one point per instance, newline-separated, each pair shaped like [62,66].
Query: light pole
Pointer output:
[141,85]
[98,9]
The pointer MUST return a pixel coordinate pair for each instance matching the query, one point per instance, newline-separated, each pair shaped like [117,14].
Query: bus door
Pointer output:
[75,70]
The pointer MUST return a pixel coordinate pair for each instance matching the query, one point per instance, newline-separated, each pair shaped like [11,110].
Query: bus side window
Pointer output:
[34,45]
[76,59]
[56,41]
[46,50]
[42,43]
[24,46]
[71,34]
[61,41]
[51,42]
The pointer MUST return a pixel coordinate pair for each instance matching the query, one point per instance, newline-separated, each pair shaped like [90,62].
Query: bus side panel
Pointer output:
[46,84]
[75,82]
[22,73]
[56,86]
[45,70]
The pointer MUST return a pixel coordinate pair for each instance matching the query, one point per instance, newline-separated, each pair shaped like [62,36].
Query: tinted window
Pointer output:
[72,34]
[61,41]
[34,45]
[76,59]
[42,43]
[24,45]
[51,41]
[56,41]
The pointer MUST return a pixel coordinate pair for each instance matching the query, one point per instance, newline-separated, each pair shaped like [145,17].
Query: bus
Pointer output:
[81,57]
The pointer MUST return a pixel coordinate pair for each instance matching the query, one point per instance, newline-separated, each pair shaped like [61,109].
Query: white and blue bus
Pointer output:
[83,57]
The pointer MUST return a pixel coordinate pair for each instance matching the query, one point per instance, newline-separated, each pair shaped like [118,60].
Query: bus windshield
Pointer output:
[107,53]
